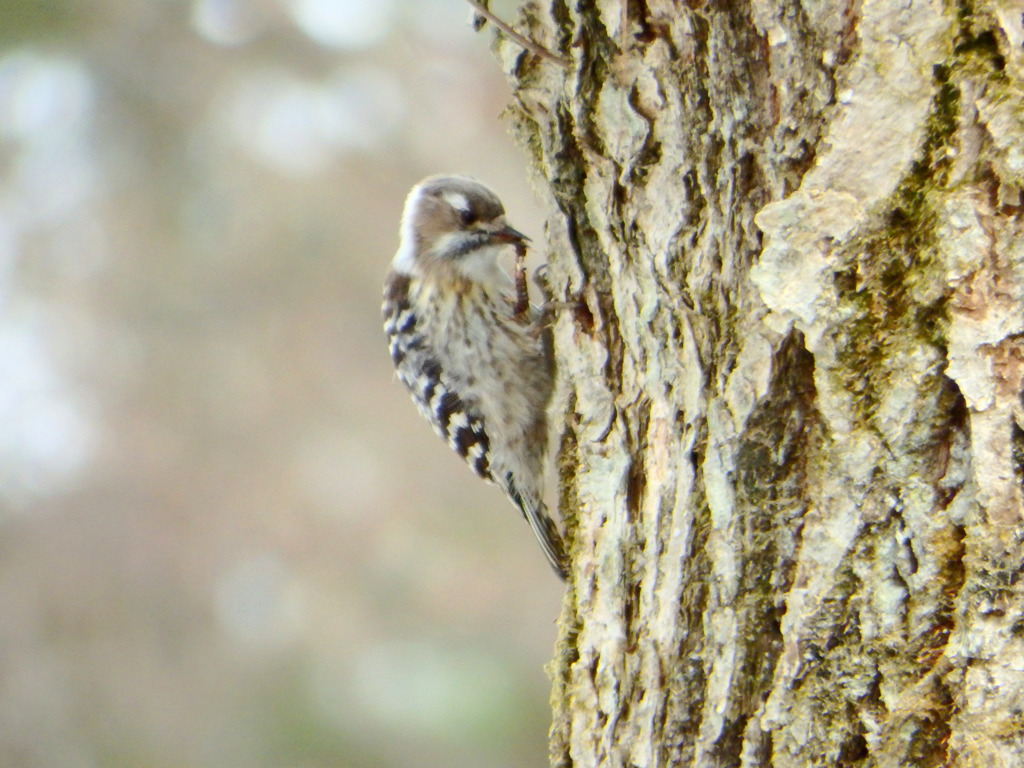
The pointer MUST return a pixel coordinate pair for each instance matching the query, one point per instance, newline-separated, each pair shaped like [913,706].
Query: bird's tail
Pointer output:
[550,539]
[544,528]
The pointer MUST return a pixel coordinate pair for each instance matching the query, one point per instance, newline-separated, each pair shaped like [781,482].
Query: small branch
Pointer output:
[525,42]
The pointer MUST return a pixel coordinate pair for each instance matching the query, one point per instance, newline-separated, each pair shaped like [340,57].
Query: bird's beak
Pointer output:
[508,235]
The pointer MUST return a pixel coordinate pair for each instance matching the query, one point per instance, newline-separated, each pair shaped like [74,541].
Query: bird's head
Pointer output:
[454,223]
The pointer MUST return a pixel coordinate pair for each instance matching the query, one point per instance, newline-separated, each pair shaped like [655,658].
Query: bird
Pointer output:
[479,369]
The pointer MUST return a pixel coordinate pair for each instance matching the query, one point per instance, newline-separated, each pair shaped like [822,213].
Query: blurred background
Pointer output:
[226,536]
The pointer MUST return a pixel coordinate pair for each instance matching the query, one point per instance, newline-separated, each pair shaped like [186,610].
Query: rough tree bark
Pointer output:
[792,450]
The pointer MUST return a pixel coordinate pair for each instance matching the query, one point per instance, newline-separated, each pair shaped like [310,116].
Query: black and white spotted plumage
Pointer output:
[420,370]
[480,374]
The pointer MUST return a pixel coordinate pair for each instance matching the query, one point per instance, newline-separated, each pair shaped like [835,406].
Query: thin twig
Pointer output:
[525,42]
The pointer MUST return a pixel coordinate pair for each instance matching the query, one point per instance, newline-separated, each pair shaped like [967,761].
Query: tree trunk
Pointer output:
[791,456]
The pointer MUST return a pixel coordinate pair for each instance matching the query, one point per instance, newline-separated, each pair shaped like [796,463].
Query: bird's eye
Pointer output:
[467,217]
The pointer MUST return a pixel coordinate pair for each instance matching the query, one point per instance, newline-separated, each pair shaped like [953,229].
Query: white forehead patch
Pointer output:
[457,200]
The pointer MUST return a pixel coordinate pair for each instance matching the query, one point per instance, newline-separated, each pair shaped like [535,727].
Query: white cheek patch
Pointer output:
[457,200]
[453,242]
[481,266]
